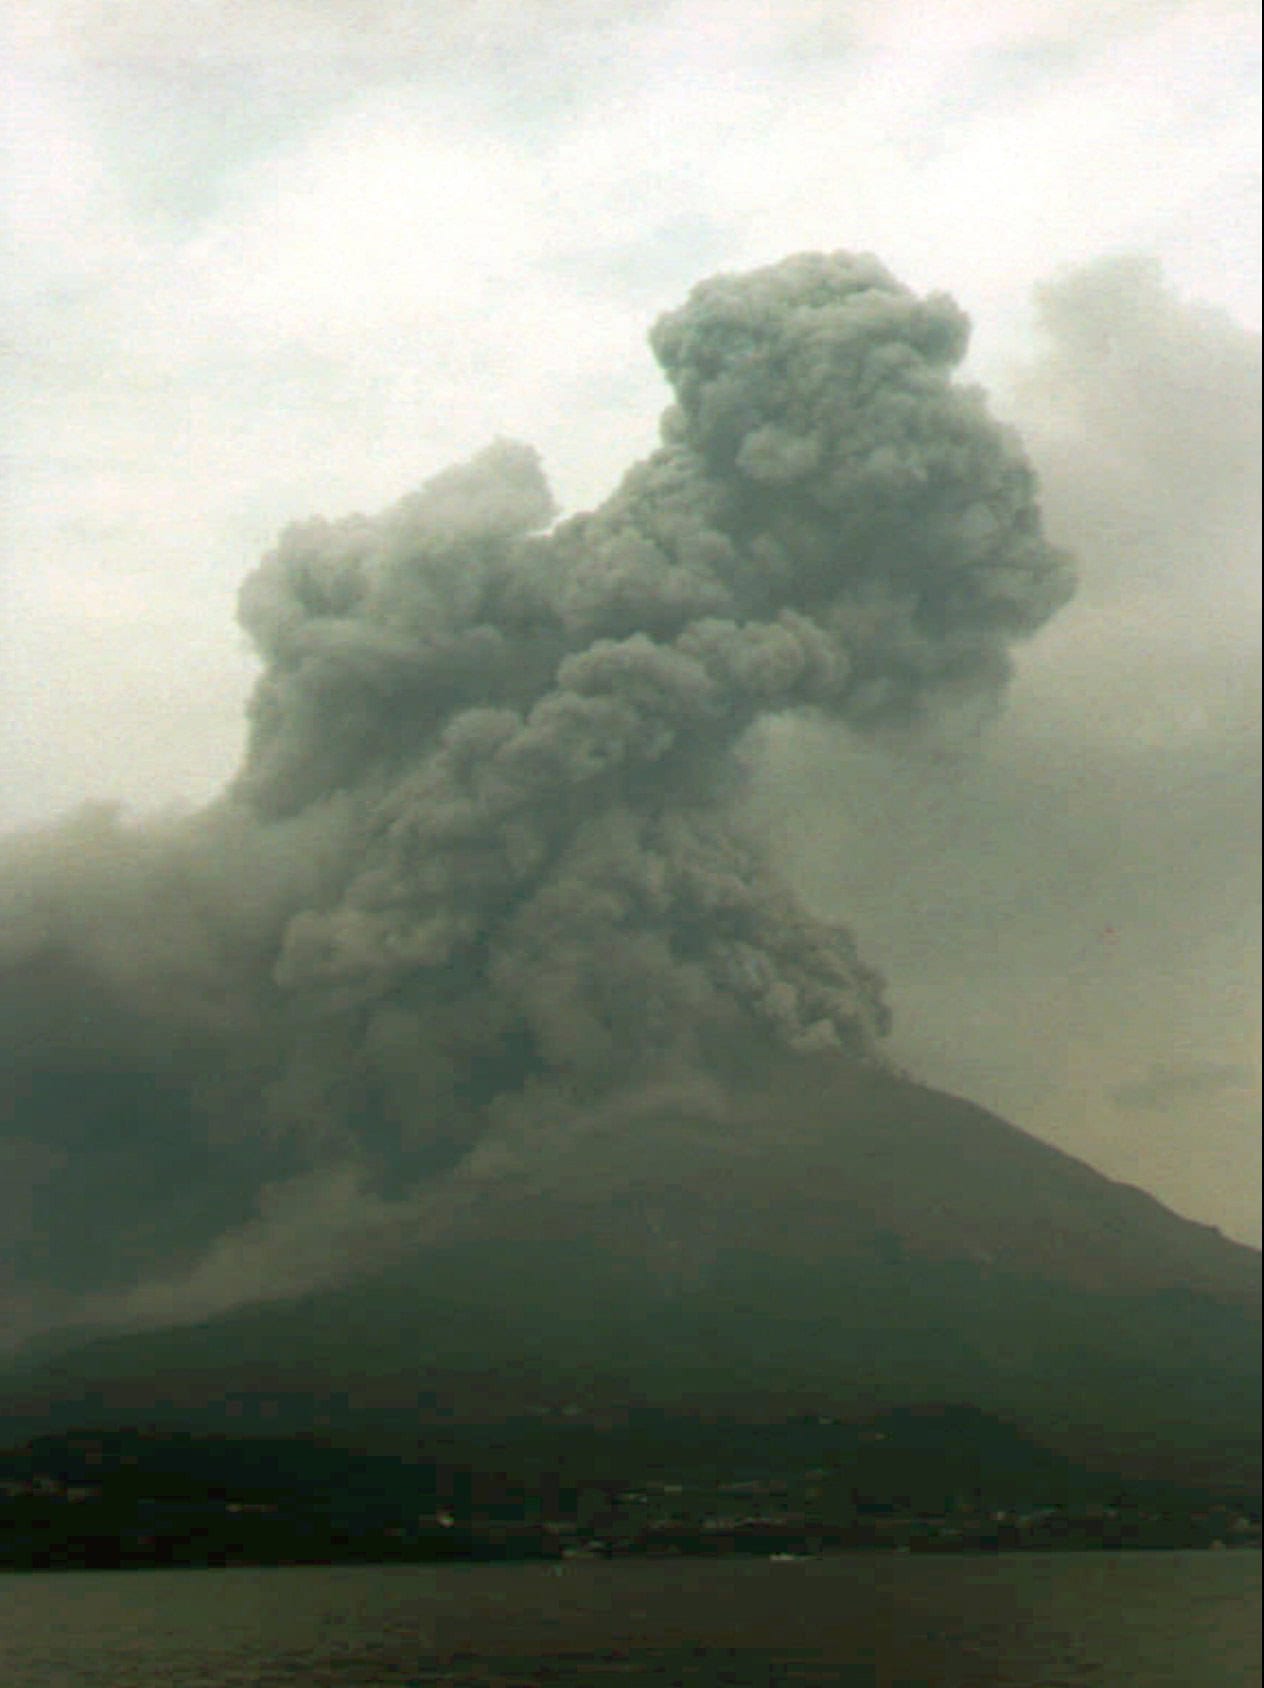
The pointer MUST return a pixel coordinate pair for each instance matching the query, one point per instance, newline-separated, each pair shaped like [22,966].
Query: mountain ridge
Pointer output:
[836,1239]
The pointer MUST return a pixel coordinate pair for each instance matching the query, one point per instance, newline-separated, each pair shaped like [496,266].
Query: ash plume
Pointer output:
[481,856]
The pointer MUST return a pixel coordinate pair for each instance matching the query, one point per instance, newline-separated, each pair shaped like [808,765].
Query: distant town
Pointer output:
[134,1499]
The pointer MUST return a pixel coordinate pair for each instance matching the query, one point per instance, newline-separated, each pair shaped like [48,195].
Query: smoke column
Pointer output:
[482,846]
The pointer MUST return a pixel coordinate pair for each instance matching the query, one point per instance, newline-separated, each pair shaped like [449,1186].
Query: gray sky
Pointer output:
[282,259]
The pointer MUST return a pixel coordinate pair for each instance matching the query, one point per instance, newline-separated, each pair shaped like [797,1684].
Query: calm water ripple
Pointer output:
[1027,1621]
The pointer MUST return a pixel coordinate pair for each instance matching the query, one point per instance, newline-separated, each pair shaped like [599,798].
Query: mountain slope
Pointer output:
[839,1240]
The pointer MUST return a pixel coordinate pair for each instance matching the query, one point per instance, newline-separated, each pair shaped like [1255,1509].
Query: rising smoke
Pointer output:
[482,850]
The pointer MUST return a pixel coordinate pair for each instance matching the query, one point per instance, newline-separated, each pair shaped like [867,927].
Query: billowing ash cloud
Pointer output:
[481,848]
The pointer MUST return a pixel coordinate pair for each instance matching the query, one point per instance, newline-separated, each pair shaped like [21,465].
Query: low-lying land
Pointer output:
[927,1480]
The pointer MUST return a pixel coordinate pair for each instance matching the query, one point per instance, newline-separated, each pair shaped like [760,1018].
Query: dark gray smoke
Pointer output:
[481,852]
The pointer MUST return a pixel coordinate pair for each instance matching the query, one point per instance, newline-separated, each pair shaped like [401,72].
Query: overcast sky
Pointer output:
[277,259]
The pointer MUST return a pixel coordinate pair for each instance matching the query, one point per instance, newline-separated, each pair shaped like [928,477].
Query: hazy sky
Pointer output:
[281,259]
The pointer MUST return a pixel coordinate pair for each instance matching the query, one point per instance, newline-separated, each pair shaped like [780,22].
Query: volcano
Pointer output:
[843,1242]
[471,1060]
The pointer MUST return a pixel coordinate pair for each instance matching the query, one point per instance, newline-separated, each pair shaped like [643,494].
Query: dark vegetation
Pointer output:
[1162,1384]
[928,1479]
[689,1308]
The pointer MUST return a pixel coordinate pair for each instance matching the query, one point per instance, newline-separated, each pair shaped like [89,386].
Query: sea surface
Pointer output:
[1158,1620]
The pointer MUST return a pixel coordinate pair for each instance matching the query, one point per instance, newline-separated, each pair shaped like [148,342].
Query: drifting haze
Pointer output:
[482,857]
[1069,914]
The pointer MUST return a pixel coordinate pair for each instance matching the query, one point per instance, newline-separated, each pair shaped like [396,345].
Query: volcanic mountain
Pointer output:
[470,1053]
[842,1241]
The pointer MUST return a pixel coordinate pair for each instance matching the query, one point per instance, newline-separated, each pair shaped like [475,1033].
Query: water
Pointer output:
[1179,1620]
